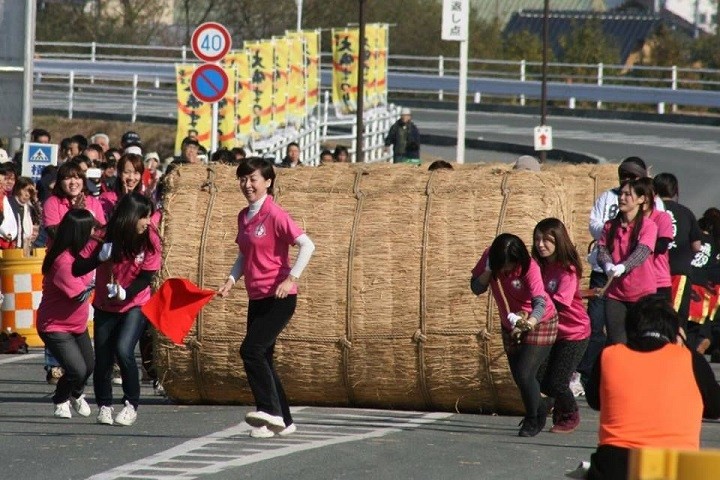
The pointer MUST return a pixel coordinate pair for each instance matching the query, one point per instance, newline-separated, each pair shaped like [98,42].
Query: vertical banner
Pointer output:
[345,54]
[192,113]
[296,81]
[381,64]
[312,65]
[260,57]
[227,111]
[240,61]
[280,81]
[372,31]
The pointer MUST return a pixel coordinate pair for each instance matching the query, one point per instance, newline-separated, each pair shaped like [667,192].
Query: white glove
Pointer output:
[609,267]
[116,291]
[513,319]
[618,270]
[105,252]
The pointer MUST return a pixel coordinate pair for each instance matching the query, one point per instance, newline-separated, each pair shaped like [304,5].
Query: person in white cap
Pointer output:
[404,138]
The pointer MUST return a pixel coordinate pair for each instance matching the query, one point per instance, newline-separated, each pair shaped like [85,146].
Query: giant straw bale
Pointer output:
[385,316]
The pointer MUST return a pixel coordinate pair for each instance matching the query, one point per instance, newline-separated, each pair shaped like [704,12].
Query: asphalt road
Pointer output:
[212,442]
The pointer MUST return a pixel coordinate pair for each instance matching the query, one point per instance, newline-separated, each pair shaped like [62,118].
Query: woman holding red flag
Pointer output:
[265,234]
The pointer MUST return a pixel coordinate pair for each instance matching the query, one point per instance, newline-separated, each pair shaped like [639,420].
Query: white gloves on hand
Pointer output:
[618,270]
[105,252]
[609,268]
[513,319]
[116,291]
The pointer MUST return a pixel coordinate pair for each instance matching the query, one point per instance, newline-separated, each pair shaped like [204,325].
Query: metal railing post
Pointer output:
[441,73]
[133,116]
[326,102]
[600,69]
[93,51]
[71,89]
[674,74]
[523,69]
[183,53]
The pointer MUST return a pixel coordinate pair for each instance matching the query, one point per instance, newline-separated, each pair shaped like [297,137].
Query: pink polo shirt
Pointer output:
[58,310]
[55,208]
[640,281]
[125,273]
[661,262]
[563,286]
[109,199]
[519,291]
[265,242]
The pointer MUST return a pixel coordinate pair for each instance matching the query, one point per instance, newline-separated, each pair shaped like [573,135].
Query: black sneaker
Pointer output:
[528,427]
[543,412]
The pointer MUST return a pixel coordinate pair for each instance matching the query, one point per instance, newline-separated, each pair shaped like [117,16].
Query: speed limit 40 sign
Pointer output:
[210,42]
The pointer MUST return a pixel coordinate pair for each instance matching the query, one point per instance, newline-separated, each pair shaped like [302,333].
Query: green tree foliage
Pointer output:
[706,50]
[668,48]
[524,45]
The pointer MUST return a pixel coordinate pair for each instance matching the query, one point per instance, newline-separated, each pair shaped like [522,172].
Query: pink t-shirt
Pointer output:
[519,291]
[58,310]
[640,281]
[661,261]
[265,242]
[125,273]
[563,286]
[55,208]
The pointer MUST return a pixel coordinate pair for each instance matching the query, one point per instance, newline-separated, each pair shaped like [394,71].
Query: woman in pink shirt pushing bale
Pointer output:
[265,234]
[528,318]
[561,271]
[125,264]
[665,235]
[62,316]
[625,252]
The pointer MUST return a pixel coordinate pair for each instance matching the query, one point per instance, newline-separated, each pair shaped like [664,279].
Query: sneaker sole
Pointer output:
[100,422]
[122,424]
[552,430]
[257,422]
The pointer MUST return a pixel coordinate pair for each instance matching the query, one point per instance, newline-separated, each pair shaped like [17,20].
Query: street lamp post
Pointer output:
[299,14]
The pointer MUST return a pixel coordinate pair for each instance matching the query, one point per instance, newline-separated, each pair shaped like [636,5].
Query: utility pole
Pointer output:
[359,138]
[543,90]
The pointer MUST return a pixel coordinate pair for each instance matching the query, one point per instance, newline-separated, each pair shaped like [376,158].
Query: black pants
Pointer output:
[266,318]
[116,335]
[74,352]
[609,463]
[525,361]
[596,312]
[615,315]
[564,358]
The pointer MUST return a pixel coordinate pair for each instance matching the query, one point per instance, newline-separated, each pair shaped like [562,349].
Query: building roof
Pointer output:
[489,10]
[628,30]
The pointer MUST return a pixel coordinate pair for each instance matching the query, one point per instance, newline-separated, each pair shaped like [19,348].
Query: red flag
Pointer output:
[173,308]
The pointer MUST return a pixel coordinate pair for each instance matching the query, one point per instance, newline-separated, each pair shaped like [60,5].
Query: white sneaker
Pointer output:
[264,432]
[576,386]
[289,430]
[127,415]
[274,423]
[62,410]
[261,432]
[105,415]
[81,406]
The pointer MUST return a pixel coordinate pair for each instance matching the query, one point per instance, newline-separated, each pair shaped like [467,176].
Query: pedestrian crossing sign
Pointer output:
[37,156]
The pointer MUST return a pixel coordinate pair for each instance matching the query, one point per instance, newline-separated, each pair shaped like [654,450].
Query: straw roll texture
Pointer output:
[385,317]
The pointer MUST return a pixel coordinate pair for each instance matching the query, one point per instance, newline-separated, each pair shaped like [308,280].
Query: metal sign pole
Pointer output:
[359,147]
[462,102]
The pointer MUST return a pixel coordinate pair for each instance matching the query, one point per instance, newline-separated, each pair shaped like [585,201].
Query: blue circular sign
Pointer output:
[209,83]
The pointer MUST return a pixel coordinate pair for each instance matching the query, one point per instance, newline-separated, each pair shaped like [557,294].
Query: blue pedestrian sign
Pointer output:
[37,156]
[209,83]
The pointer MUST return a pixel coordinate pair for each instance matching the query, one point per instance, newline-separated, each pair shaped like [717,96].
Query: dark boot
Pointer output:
[542,413]
[529,427]
[567,422]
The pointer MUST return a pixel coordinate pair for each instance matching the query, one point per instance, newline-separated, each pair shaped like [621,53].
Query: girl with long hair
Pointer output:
[130,169]
[561,272]
[265,234]
[62,315]
[625,253]
[528,318]
[126,264]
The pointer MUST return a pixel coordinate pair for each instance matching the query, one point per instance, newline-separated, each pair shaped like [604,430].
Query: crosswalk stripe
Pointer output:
[213,453]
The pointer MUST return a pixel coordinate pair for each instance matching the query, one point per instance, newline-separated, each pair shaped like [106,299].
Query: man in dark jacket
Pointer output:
[404,138]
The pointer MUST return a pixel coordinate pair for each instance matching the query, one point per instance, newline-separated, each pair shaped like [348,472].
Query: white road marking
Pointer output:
[21,357]
[233,447]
